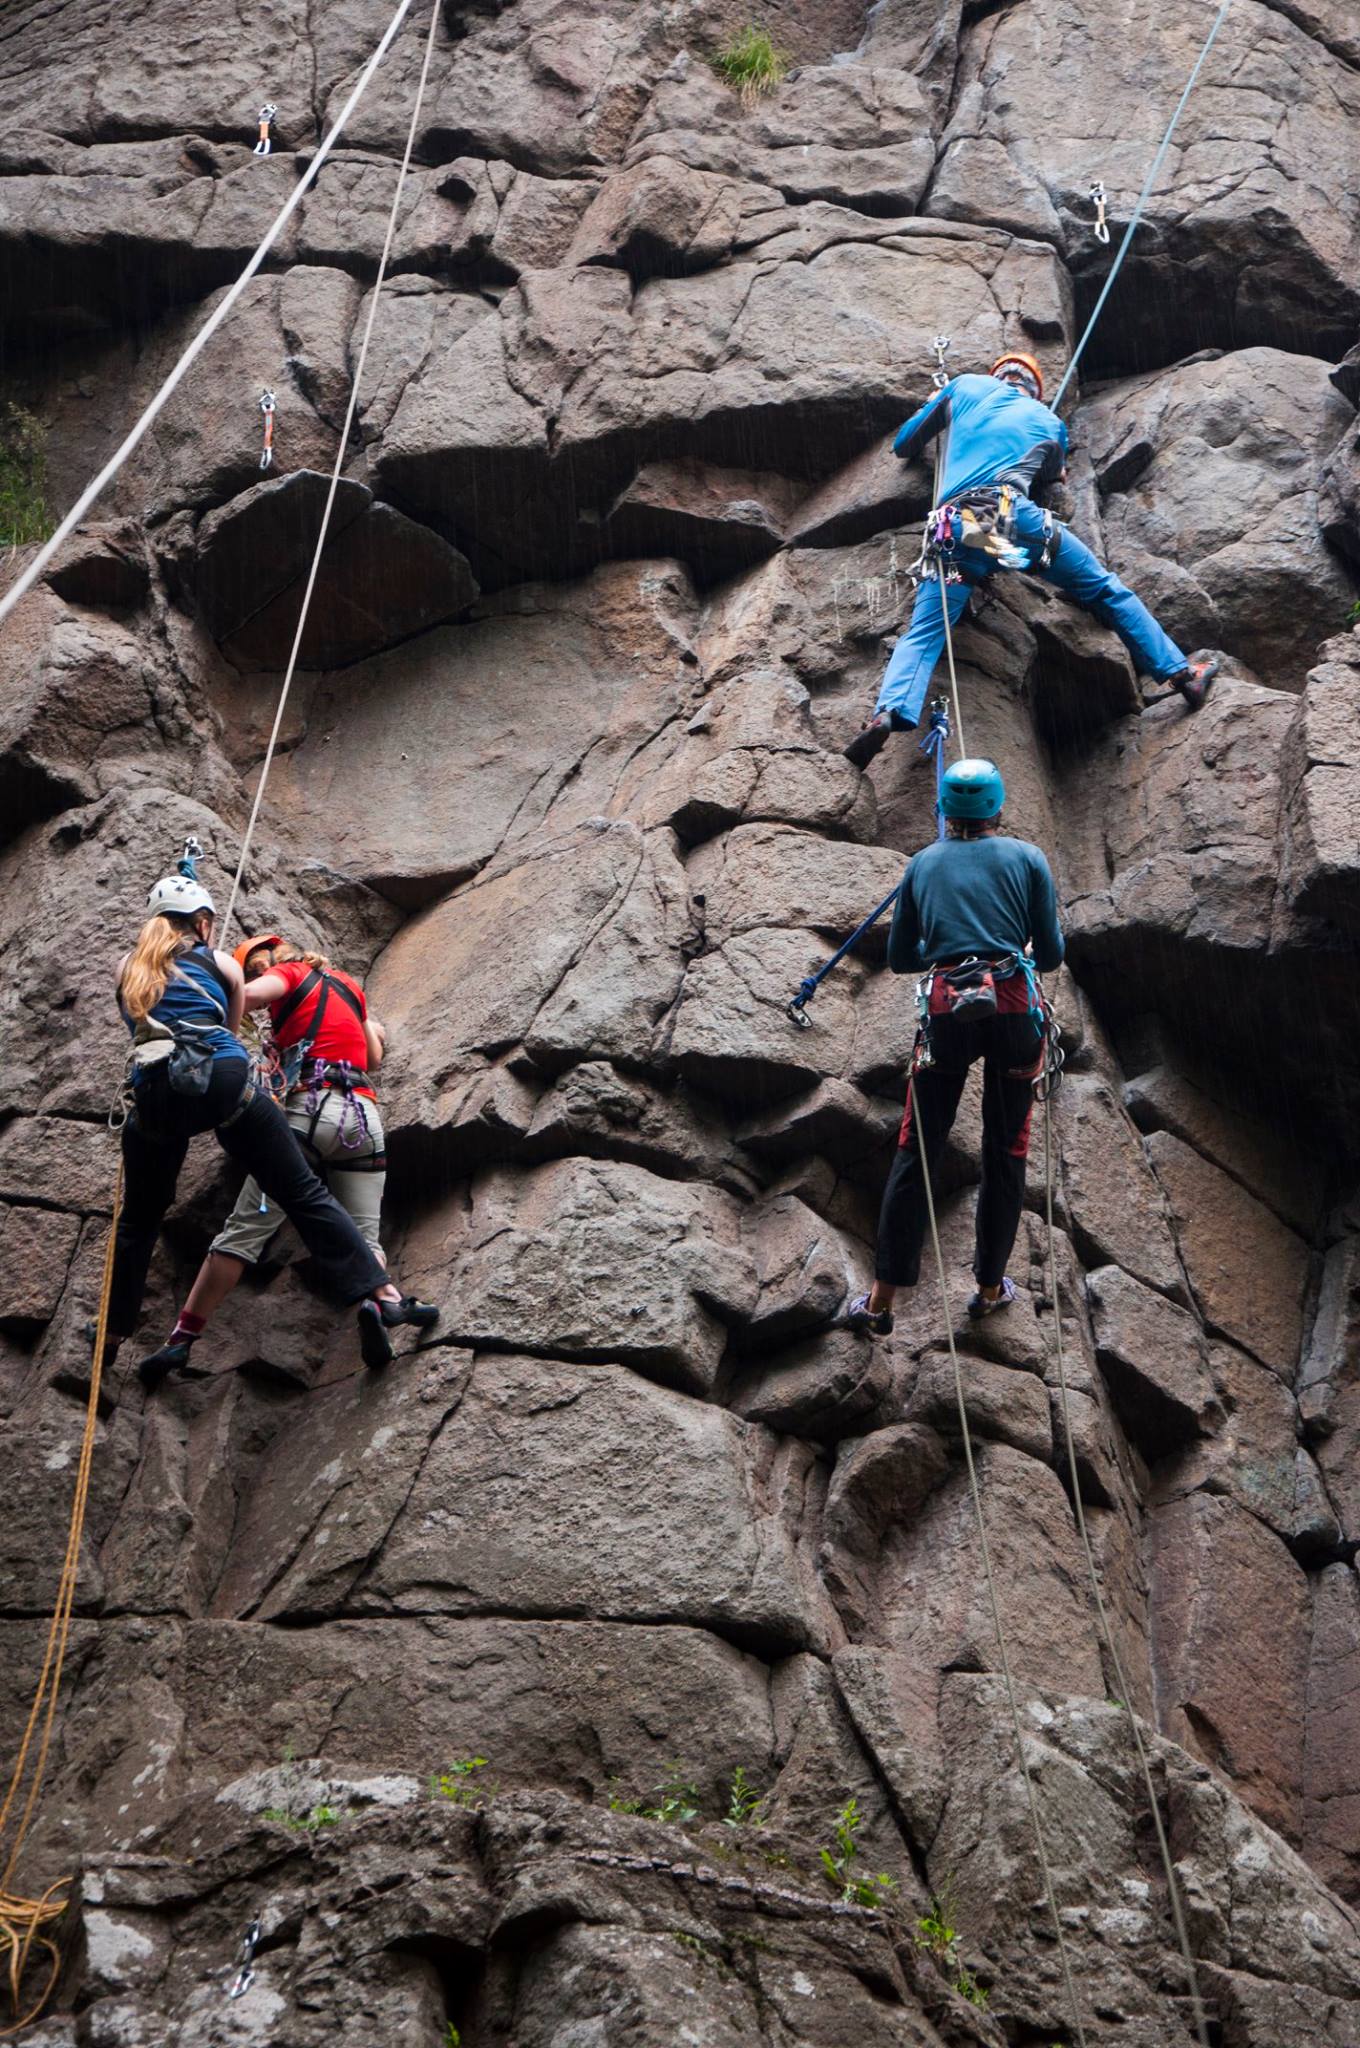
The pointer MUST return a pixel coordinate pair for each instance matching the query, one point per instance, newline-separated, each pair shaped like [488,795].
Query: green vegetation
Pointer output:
[452,2038]
[309,1823]
[751,64]
[460,1785]
[936,1933]
[840,1859]
[676,1798]
[743,1802]
[23,475]
[1353,615]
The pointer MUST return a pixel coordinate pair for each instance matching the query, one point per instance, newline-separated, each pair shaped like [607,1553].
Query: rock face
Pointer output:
[452,1676]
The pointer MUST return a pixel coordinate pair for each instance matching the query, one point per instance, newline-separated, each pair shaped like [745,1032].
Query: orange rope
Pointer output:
[22,1920]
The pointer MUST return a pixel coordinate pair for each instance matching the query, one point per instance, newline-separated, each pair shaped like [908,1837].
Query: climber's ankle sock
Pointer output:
[186,1328]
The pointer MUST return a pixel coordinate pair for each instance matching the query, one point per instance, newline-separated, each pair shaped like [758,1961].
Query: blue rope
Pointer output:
[933,743]
[1143,198]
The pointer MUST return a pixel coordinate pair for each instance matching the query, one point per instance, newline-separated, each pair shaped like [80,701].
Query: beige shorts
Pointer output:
[347,1170]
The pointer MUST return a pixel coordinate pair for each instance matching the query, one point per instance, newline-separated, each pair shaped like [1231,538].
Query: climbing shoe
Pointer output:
[173,1356]
[979,1306]
[1193,682]
[375,1346]
[866,1321]
[870,740]
[423,1314]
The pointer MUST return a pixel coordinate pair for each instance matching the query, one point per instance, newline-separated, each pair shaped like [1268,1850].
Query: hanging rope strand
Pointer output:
[208,329]
[953,673]
[1143,198]
[340,457]
[23,1920]
[985,1549]
[1106,1634]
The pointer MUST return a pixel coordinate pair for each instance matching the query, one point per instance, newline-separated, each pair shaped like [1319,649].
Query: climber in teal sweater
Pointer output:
[979,915]
[998,434]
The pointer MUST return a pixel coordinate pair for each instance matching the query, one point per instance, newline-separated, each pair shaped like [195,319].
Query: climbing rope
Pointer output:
[1143,198]
[24,1921]
[210,326]
[1106,1634]
[949,650]
[914,1111]
[341,454]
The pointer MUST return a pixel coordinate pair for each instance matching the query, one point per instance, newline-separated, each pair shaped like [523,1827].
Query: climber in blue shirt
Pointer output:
[976,915]
[1001,442]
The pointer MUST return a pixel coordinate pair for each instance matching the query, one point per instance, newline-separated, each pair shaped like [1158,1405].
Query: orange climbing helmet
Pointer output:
[240,954]
[1025,362]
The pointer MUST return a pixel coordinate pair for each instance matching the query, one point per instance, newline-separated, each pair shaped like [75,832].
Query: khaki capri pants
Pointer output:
[355,1174]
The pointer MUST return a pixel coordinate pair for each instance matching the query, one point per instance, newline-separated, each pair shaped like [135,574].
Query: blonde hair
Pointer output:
[152,962]
[289,952]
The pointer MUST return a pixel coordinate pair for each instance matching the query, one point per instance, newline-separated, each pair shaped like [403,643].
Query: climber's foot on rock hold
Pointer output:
[423,1314]
[1195,681]
[375,1346]
[866,1321]
[870,740]
[173,1356]
[984,1303]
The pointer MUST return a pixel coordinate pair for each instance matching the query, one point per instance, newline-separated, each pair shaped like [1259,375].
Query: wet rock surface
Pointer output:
[452,1675]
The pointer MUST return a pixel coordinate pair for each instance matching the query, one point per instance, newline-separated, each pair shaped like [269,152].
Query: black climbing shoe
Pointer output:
[423,1314]
[173,1356]
[979,1306]
[870,740]
[866,1321]
[375,1346]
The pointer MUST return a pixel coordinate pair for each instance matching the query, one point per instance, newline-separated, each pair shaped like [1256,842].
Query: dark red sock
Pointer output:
[187,1327]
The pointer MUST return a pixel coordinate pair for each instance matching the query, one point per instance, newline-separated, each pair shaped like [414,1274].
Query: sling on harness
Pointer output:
[933,743]
[984,518]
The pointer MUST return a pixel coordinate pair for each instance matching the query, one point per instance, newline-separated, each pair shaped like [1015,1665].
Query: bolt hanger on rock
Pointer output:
[269,113]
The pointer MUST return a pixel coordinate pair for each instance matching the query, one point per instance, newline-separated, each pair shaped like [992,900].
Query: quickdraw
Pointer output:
[1102,228]
[269,113]
[245,1973]
[268,406]
[939,348]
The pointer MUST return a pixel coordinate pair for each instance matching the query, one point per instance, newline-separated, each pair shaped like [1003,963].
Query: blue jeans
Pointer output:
[1073,568]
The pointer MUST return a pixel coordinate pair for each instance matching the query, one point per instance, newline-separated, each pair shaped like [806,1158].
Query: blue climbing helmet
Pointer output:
[972,789]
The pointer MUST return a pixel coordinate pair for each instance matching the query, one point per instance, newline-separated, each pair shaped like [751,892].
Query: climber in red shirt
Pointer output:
[328,1049]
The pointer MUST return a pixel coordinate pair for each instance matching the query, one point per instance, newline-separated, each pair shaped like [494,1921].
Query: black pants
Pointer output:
[1011,1045]
[155,1140]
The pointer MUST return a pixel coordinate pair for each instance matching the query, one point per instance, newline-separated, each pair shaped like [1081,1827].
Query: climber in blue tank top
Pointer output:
[998,432]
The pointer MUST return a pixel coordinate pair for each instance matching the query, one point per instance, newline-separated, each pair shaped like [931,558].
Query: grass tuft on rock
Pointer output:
[23,475]
[751,64]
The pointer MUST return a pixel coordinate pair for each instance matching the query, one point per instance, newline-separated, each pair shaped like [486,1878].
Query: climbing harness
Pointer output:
[1101,230]
[25,1922]
[267,407]
[42,560]
[341,453]
[269,113]
[245,1970]
[933,746]
[1143,198]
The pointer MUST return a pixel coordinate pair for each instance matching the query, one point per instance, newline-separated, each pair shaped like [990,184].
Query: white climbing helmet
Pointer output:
[179,896]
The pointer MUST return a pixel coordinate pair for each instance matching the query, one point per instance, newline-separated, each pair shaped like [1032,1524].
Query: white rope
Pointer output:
[993,1602]
[1143,198]
[340,455]
[208,329]
[949,649]
[1107,1637]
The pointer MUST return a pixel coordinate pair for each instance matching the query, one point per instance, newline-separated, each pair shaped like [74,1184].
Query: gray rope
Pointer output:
[1106,1636]
[1143,198]
[1030,1793]
[340,456]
